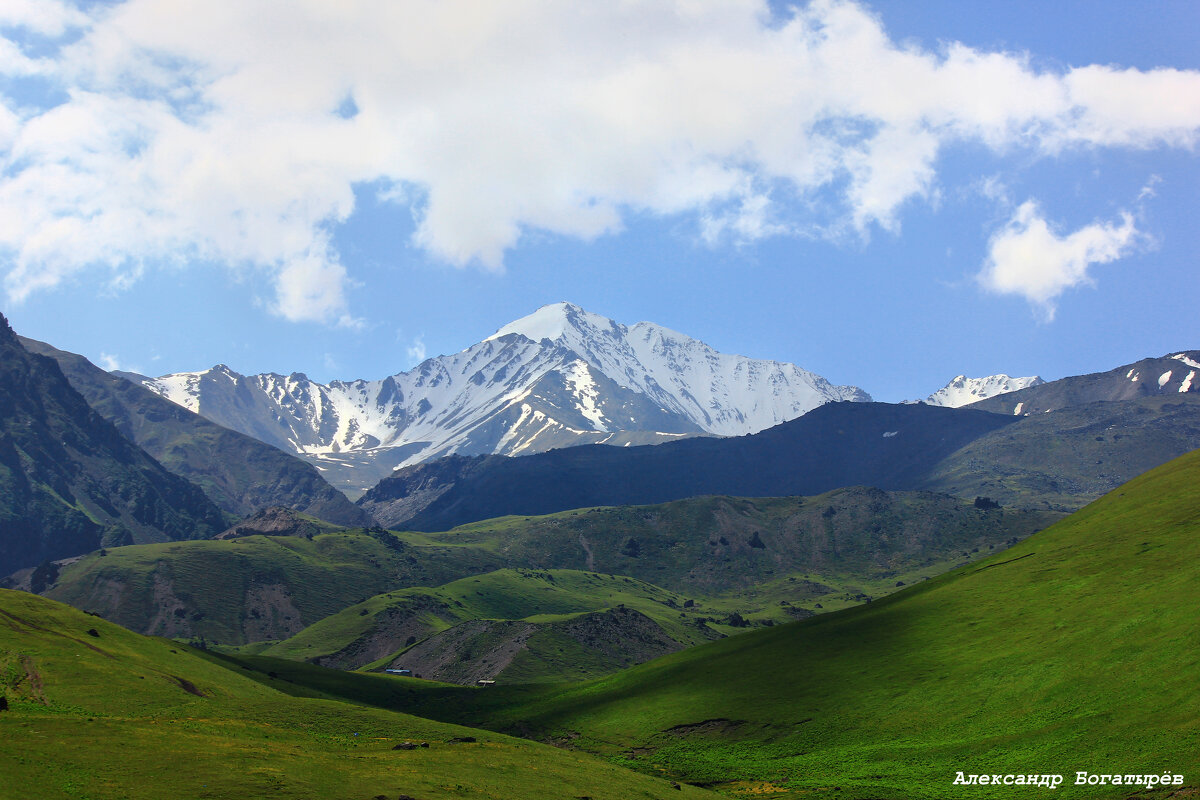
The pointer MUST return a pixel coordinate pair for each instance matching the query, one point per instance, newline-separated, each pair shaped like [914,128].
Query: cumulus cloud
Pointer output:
[1029,258]
[235,131]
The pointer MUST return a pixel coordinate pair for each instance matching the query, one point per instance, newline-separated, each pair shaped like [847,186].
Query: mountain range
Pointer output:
[70,482]
[561,376]
[241,474]
[1031,640]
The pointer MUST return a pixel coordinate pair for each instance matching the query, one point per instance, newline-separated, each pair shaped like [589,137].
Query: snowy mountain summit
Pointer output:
[963,391]
[559,377]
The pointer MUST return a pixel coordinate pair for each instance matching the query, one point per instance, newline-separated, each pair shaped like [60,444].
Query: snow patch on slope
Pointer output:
[1188,361]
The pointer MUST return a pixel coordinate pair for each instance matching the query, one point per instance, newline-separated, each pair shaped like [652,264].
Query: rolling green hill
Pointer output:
[511,625]
[764,549]
[91,710]
[1075,650]
[768,559]
[252,588]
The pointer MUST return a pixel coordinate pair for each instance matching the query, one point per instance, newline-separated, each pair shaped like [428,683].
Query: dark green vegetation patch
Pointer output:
[769,560]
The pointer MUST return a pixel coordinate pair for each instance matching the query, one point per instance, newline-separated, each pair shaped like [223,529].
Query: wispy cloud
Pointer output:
[112,362]
[416,351]
[235,132]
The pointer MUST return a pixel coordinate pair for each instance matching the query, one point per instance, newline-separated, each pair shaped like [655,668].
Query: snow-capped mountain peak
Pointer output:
[556,322]
[962,391]
[560,376]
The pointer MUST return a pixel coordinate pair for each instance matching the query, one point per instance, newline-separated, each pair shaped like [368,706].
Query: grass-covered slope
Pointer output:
[252,588]
[513,625]
[1075,650]
[770,548]
[770,559]
[93,711]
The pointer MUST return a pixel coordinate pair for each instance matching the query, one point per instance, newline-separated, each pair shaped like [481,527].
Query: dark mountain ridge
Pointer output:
[1170,375]
[241,474]
[1055,461]
[69,481]
[835,445]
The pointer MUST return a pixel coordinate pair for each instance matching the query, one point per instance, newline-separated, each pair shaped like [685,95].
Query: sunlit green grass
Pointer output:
[116,715]
[1076,650]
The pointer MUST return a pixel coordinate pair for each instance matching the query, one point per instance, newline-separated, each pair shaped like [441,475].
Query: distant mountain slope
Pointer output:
[93,710]
[241,474]
[1172,375]
[1056,461]
[838,444]
[69,481]
[963,391]
[252,588]
[1074,650]
[1064,459]
[559,377]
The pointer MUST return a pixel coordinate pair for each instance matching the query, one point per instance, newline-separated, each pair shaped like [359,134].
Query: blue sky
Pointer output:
[888,193]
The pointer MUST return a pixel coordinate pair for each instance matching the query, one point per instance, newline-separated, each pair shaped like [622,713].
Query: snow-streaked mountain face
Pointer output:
[963,391]
[559,377]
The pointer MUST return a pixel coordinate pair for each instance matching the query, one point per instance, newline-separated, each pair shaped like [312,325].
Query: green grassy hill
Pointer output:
[93,711]
[855,538]
[513,625]
[1075,650]
[769,560]
[252,588]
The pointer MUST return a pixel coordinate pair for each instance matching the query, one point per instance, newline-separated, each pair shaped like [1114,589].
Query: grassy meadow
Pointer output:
[1076,650]
[95,712]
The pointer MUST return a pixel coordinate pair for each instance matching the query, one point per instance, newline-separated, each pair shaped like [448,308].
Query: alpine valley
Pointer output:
[697,574]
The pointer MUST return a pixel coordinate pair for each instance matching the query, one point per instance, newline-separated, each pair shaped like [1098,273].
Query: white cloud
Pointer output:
[416,350]
[311,287]
[210,131]
[1028,257]
[113,363]
[45,17]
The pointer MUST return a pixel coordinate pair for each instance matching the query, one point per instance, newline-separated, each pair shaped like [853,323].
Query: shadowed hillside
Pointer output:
[69,481]
[240,473]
